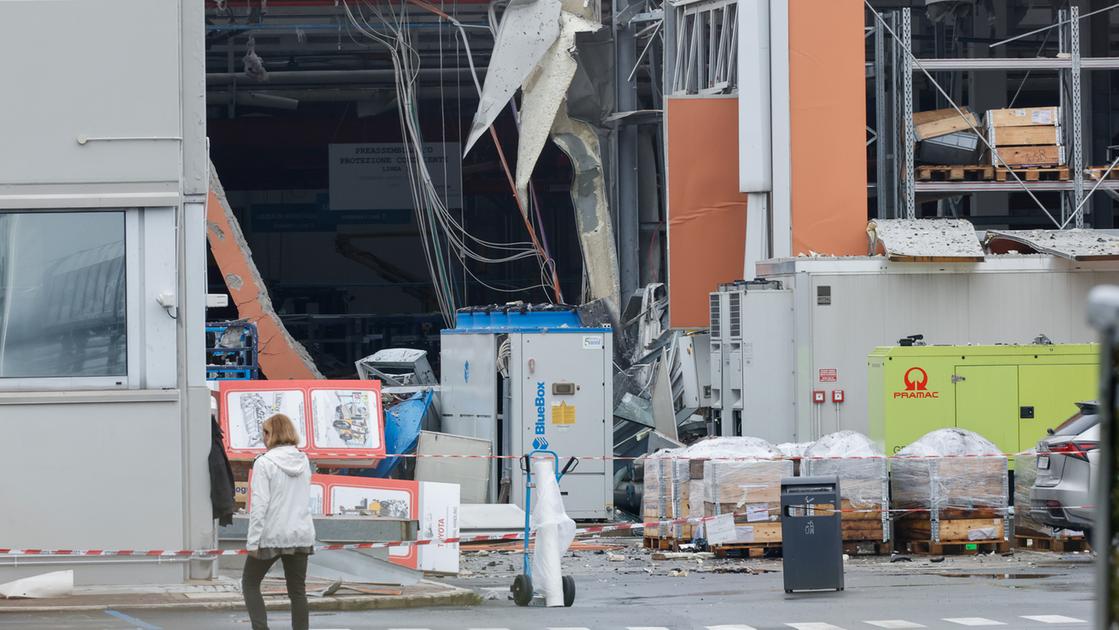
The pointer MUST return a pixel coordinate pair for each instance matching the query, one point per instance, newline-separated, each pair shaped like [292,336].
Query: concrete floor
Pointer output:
[1028,590]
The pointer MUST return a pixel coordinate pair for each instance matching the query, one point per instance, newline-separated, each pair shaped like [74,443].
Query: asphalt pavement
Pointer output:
[1027,590]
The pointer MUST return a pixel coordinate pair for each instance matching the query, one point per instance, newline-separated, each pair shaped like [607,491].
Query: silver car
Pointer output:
[1067,462]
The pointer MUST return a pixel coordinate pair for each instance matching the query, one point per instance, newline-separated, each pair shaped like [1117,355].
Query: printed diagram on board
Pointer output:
[345,418]
[248,410]
[381,503]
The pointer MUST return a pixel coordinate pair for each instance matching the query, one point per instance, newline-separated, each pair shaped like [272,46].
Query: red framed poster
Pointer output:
[382,498]
[338,421]
[434,506]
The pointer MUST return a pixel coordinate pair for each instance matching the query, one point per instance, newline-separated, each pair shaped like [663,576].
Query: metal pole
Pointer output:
[625,138]
[907,167]
[1077,116]
[882,141]
[1063,92]
[1103,315]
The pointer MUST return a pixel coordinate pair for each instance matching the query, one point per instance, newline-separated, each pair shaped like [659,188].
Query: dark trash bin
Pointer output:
[811,534]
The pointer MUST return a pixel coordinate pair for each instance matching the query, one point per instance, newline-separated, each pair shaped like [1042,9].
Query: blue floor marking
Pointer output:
[143,625]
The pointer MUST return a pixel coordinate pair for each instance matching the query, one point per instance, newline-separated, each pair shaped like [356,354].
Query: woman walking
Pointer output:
[280,524]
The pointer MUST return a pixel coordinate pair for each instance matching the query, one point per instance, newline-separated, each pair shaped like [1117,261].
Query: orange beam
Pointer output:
[281,356]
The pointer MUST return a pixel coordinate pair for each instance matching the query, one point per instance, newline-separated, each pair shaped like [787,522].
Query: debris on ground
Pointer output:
[680,555]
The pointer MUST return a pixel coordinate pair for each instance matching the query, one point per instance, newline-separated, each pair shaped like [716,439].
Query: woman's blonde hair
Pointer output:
[279,430]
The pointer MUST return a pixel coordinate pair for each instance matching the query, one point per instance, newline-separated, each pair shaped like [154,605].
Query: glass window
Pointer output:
[62,294]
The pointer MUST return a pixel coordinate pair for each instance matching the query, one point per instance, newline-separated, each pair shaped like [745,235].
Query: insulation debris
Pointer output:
[1079,245]
[925,240]
[528,29]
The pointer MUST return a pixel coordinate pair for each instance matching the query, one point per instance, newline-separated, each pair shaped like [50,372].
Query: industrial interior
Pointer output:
[709,258]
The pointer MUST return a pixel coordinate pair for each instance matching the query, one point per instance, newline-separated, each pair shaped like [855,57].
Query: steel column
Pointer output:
[625,149]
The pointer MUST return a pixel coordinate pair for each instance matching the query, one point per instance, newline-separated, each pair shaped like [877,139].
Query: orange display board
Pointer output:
[706,212]
[827,103]
[338,421]
[376,498]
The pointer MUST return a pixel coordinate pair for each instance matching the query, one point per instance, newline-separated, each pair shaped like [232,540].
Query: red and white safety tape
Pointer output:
[585,531]
[349,454]
[208,553]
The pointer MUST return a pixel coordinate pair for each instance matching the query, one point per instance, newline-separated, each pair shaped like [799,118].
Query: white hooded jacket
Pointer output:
[280,510]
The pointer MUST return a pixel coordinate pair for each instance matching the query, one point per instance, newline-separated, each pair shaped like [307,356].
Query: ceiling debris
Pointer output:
[544,92]
[925,240]
[527,31]
[1079,245]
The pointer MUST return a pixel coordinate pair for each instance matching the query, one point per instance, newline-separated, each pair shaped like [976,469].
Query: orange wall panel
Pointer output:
[706,212]
[827,102]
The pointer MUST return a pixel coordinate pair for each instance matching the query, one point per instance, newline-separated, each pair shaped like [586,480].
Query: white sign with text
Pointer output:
[374,176]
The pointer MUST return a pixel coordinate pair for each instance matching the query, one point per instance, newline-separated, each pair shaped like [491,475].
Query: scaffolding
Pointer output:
[894,65]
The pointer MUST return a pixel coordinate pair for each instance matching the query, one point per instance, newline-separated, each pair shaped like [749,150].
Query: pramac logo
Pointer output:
[916,385]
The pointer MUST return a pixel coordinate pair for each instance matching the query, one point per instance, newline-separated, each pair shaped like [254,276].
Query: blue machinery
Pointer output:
[522,584]
[231,351]
[533,378]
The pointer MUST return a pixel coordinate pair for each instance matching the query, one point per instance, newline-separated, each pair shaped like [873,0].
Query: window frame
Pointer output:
[133,322]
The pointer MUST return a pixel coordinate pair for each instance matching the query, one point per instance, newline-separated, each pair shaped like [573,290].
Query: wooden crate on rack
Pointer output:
[941,122]
[1027,136]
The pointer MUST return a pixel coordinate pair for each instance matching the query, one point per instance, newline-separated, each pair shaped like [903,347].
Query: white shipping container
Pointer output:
[840,309]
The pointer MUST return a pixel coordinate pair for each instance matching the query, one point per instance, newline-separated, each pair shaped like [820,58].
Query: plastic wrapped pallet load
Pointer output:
[1025,473]
[955,481]
[665,493]
[742,476]
[863,482]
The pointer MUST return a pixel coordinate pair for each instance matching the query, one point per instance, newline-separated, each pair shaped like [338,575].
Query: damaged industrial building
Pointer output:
[704,258]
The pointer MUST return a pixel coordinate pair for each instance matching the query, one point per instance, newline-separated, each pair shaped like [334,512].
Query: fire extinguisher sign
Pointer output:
[829,375]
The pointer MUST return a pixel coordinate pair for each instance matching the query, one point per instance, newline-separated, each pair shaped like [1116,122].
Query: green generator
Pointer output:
[1009,394]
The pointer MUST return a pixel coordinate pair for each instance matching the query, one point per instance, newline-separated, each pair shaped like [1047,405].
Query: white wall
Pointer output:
[1009,299]
[108,113]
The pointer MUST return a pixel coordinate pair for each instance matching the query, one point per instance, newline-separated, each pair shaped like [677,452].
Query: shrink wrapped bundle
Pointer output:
[950,469]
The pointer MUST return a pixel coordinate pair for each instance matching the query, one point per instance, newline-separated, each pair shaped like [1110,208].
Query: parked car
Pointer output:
[1067,464]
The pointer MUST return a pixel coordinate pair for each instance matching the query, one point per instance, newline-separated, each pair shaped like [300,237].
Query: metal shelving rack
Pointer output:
[894,67]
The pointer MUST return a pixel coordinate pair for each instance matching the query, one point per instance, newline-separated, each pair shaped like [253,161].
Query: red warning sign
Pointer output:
[829,375]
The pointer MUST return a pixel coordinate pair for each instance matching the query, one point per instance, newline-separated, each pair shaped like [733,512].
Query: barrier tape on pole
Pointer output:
[585,531]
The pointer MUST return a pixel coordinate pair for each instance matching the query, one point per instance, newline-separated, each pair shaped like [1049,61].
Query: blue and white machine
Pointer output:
[534,378]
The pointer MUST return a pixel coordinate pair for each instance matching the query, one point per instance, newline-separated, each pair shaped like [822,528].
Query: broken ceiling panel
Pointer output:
[925,240]
[528,29]
[1078,245]
[544,92]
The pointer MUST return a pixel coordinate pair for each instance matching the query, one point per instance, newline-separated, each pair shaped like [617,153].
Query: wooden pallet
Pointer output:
[662,544]
[1041,542]
[1096,172]
[958,548]
[955,526]
[858,525]
[876,547]
[1033,174]
[955,173]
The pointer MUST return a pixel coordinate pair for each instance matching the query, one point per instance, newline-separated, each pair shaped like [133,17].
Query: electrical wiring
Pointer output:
[442,231]
[545,259]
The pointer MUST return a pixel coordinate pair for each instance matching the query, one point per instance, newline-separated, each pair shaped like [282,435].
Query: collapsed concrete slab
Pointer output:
[280,355]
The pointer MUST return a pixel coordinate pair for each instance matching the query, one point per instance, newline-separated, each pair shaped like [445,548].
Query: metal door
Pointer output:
[987,403]
[1047,396]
